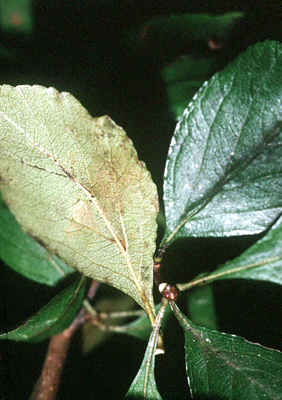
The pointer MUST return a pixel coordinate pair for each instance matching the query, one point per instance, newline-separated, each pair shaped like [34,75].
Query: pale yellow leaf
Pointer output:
[76,184]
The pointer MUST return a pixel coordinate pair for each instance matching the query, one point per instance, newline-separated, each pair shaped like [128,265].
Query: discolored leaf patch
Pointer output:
[76,183]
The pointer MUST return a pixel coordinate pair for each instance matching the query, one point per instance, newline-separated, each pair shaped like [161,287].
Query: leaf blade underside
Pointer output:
[76,183]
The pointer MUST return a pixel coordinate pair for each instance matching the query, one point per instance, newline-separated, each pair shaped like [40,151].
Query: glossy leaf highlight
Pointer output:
[224,173]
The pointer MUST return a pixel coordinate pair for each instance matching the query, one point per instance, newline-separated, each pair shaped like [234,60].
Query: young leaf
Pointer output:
[76,183]
[228,366]
[52,318]
[144,385]
[22,253]
[111,314]
[141,327]
[223,172]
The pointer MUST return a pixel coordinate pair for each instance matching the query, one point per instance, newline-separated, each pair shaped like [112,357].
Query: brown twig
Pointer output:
[48,383]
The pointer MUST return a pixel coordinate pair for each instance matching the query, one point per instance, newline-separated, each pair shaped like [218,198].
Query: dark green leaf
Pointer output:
[181,93]
[22,253]
[184,76]
[167,36]
[201,308]
[262,261]
[52,318]
[223,172]
[144,385]
[229,367]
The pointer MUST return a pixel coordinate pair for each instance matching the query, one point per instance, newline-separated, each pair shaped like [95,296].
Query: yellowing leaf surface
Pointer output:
[76,184]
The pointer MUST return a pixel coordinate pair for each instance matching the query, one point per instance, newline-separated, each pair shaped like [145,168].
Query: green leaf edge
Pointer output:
[33,255]
[73,296]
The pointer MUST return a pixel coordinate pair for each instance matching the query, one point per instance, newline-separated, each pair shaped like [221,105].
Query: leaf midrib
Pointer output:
[183,220]
[219,354]
[96,204]
[221,274]
[225,180]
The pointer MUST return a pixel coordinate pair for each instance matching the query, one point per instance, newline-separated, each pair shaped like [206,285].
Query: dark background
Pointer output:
[78,46]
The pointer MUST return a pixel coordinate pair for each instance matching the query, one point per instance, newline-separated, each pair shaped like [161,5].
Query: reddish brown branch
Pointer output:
[48,383]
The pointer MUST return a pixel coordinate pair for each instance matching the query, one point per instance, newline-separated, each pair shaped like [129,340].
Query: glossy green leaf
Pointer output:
[229,367]
[223,174]
[262,261]
[76,184]
[144,385]
[201,307]
[24,255]
[52,318]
